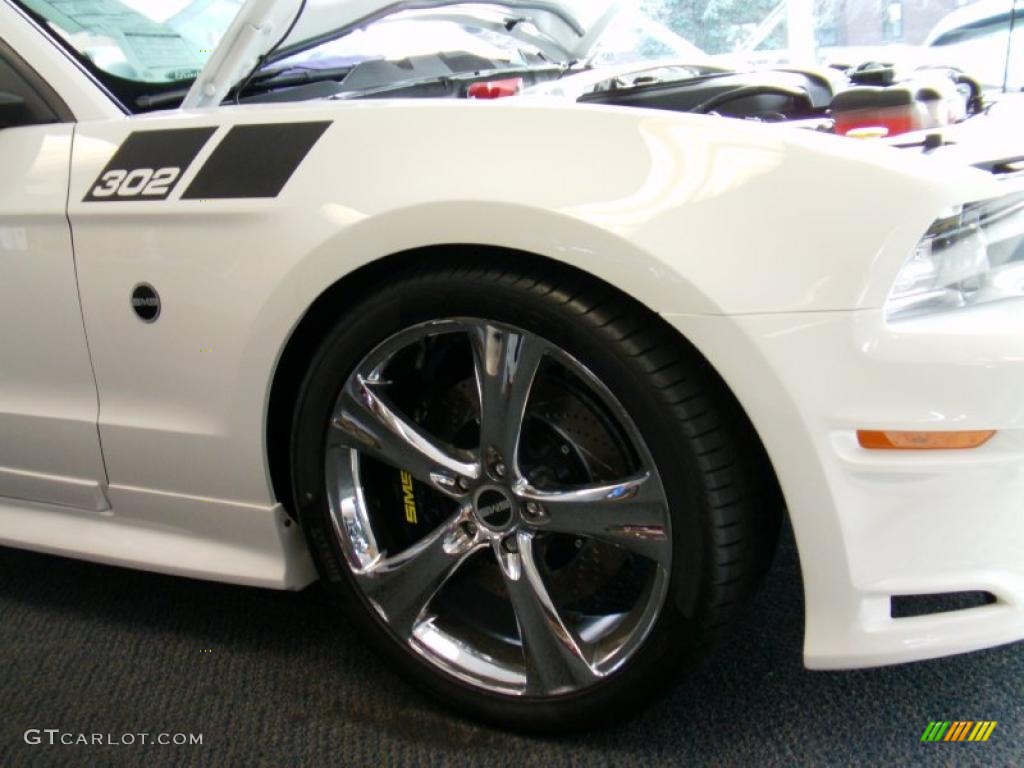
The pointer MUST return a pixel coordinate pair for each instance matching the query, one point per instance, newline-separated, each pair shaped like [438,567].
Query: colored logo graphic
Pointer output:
[959,730]
[409,498]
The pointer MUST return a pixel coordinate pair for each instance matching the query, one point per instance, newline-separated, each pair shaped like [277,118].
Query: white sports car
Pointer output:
[528,383]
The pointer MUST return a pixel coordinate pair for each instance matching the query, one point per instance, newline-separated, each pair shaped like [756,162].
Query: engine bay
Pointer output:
[871,100]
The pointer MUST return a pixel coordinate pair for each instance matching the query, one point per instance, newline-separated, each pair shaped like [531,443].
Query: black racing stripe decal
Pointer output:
[148,165]
[255,161]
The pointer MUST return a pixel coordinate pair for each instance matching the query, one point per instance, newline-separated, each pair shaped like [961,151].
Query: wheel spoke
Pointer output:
[402,586]
[631,514]
[367,422]
[506,363]
[555,661]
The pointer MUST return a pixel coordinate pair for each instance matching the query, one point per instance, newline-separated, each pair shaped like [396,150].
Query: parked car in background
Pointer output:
[978,40]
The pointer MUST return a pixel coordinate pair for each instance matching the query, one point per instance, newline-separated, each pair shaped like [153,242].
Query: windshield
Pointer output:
[140,40]
[148,52]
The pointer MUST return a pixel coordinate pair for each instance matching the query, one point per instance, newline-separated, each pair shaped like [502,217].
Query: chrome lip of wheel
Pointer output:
[631,513]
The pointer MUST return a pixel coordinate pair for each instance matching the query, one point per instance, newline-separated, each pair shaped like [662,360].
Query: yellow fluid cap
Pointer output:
[869,132]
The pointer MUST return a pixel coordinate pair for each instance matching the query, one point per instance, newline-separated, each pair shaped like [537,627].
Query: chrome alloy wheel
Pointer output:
[497,507]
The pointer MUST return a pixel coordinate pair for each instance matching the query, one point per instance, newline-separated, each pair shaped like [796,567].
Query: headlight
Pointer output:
[972,255]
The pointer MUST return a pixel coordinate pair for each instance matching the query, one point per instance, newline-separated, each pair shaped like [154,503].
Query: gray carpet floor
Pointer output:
[278,679]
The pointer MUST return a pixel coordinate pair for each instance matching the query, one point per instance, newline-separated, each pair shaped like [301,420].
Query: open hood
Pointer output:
[282,28]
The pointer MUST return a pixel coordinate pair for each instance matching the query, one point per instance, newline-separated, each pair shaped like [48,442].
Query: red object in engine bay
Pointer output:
[496,89]
[899,108]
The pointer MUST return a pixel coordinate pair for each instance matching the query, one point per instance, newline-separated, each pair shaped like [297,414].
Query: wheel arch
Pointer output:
[317,320]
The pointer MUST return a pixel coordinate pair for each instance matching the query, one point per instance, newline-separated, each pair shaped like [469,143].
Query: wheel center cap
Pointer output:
[494,508]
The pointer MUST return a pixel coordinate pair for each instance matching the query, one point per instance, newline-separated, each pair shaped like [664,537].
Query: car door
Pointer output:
[49,445]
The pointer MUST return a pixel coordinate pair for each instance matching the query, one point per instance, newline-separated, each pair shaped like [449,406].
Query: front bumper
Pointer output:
[871,525]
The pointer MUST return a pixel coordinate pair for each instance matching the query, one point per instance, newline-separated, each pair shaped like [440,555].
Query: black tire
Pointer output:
[723,502]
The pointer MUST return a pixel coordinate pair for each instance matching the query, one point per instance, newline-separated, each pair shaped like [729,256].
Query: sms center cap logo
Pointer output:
[494,508]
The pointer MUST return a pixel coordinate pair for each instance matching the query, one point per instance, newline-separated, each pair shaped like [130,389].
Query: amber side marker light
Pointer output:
[923,441]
